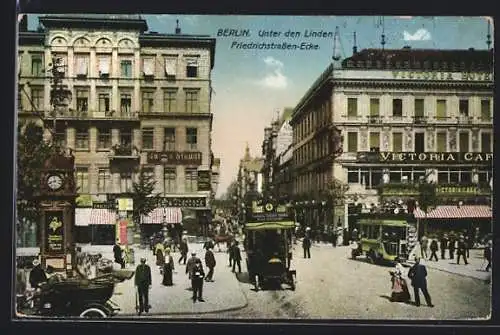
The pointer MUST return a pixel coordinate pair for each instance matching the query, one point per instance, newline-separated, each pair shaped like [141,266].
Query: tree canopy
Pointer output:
[143,196]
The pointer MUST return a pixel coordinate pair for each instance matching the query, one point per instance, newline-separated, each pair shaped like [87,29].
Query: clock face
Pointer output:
[54,182]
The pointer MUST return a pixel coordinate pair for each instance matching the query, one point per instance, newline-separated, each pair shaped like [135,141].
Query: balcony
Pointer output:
[420,120]
[123,152]
[464,119]
[375,119]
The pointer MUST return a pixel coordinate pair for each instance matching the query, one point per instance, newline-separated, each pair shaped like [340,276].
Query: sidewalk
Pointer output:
[474,268]
[224,294]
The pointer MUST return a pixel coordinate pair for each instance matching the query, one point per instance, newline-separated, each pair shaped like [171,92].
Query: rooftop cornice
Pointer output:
[68,21]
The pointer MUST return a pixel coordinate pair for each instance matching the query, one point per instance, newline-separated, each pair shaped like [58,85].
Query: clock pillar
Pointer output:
[57,206]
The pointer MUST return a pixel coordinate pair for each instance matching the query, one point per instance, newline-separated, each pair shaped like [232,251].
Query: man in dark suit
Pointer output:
[306,245]
[183,248]
[236,257]
[143,283]
[197,275]
[118,253]
[210,263]
[443,243]
[418,274]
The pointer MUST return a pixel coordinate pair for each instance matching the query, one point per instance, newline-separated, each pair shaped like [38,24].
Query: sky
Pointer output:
[251,85]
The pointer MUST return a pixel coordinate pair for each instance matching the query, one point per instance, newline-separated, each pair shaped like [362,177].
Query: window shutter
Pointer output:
[82,66]
[192,62]
[170,66]
[104,66]
[148,66]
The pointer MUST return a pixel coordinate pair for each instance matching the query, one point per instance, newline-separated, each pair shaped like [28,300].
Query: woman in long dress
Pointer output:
[168,268]
[400,292]
[160,258]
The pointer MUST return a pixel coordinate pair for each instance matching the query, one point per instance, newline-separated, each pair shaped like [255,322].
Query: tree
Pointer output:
[426,198]
[32,152]
[144,199]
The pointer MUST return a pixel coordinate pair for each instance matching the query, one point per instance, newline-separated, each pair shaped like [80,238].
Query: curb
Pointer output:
[455,273]
[231,309]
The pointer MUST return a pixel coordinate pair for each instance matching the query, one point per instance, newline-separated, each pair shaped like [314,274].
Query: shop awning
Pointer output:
[99,216]
[160,215]
[456,212]
[82,216]
[270,225]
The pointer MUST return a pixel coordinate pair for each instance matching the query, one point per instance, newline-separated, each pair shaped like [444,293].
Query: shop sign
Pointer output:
[204,180]
[195,202]
[459,190]
[175,157]
[125,204]
[54,232]
[269,212]
[104,205]
[426,157]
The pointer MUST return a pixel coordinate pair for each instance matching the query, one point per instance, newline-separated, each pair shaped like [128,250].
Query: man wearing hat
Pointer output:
[210,263]
[190,263]
[418,274]
[461,250]
[37,274]
[183,248]
[143,283]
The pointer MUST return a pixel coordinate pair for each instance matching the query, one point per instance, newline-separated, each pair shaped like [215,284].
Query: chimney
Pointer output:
[23,23]
[355,47]
[177,28]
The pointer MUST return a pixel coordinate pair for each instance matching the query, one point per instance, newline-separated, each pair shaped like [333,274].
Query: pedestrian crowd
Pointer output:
[458,248]
[194,269]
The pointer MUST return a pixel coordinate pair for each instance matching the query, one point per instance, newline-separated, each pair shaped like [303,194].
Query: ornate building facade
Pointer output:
[403,115]
[138,101]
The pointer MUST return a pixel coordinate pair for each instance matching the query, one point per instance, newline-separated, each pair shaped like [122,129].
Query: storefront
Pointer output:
[95,226]
[458,219]
[158,221]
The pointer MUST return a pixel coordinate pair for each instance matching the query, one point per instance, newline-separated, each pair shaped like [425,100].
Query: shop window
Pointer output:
[465,177]
[353,176]
[443,177]
[454,177]
[395,176]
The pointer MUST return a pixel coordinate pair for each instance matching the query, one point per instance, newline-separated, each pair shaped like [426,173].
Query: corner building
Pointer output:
[403,115]
[139,100]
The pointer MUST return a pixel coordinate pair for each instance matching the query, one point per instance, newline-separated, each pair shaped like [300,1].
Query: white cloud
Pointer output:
[420,35]
[275,79]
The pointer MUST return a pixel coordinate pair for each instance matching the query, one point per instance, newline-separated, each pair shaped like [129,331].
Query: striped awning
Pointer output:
[455,212]
[100,216]
[161,215]
[82,216]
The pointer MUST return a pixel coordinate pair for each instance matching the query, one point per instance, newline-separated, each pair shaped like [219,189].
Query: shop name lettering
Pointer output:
[175,157]
[437,75]
[458,189]
[183,202]
[436,157]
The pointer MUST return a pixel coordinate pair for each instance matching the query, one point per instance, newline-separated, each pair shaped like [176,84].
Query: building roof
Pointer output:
[89,21]
[455,212]
[421,59]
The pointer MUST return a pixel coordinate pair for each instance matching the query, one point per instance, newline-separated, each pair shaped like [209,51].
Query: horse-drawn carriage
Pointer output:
[268,245]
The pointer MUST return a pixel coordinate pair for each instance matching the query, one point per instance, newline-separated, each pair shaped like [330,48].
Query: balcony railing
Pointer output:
[419,120]
[375,119]
[124,152]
